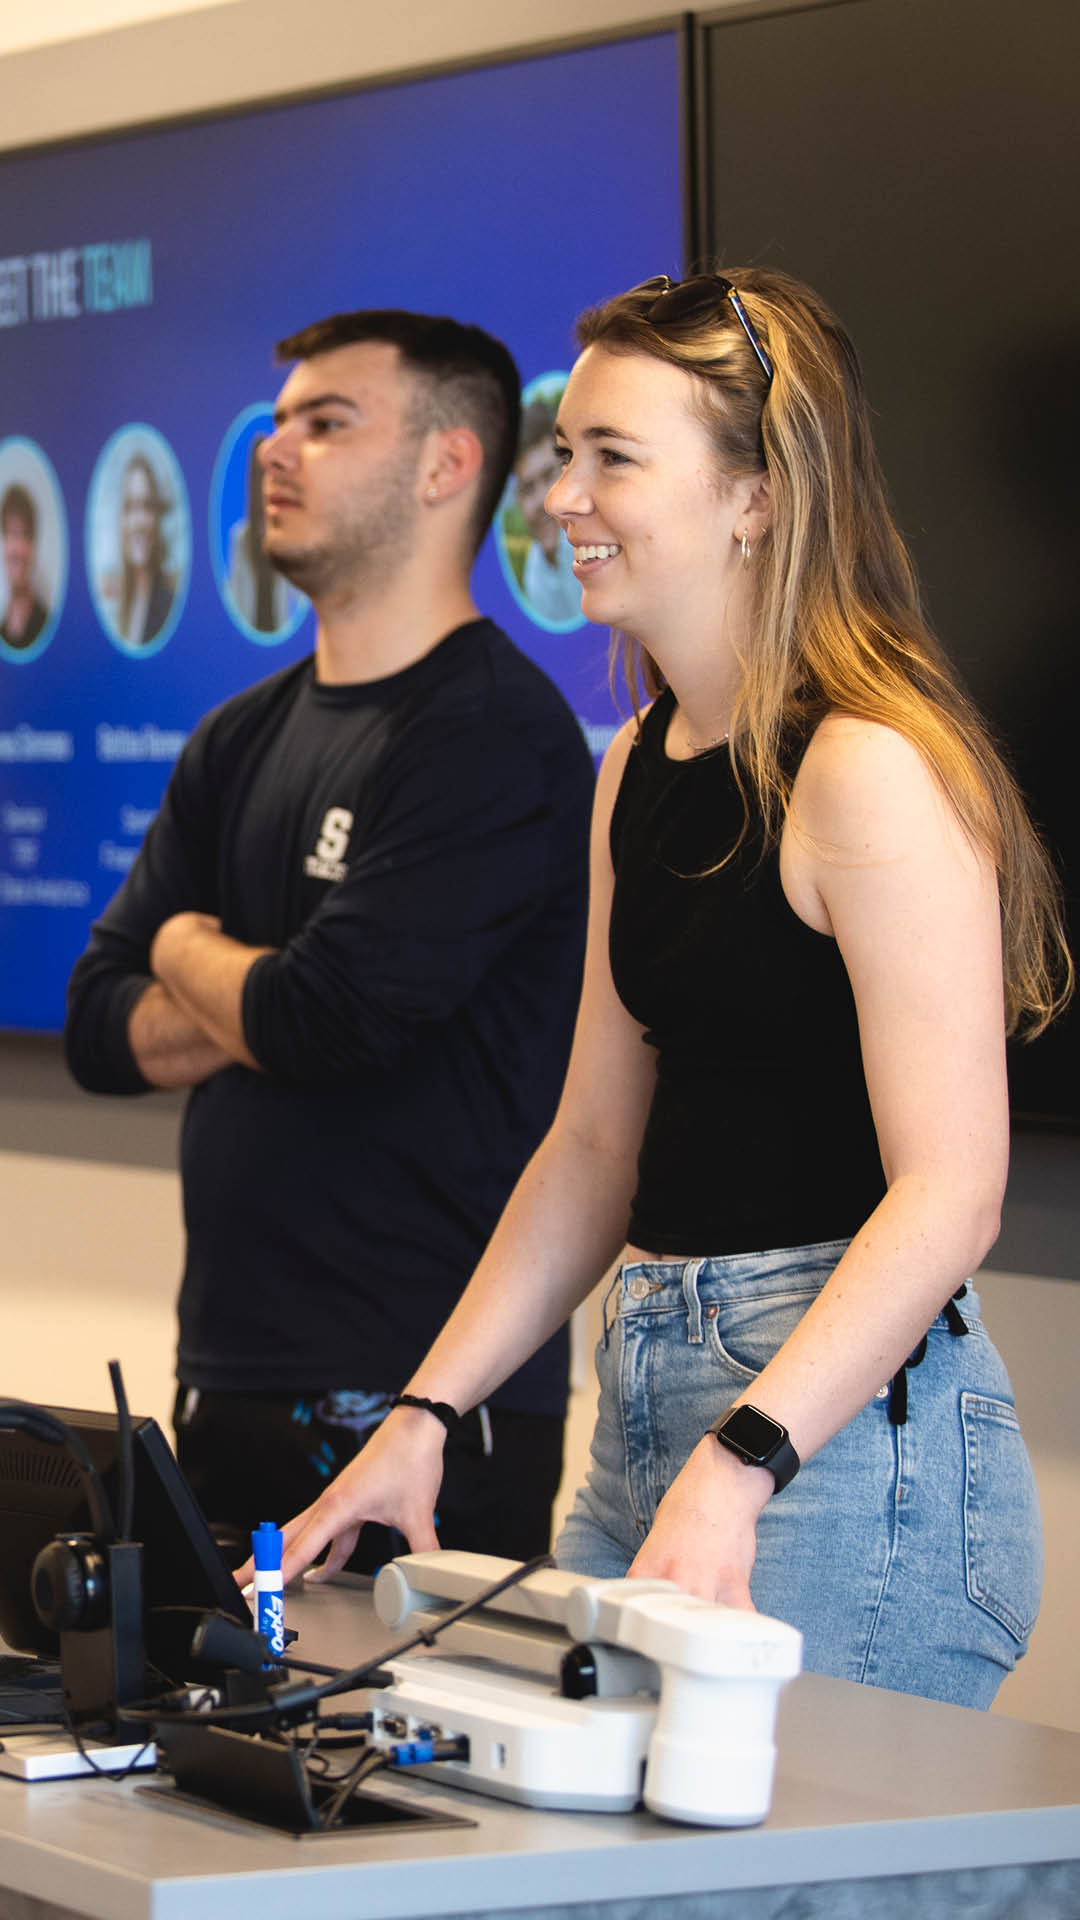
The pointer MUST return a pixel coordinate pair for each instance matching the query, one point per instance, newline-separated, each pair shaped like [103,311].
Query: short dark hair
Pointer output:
[467,378]
[18,504]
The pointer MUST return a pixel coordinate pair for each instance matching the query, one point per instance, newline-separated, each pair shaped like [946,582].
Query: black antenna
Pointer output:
[127,1452]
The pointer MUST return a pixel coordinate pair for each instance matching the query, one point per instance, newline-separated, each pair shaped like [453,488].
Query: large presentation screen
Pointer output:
[143,282]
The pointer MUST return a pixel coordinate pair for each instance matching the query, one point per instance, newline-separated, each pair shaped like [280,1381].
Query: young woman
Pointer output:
[817,907]
[146,588]
[258,593]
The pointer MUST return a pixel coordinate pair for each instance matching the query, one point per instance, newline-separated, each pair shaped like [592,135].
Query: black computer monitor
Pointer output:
[43,1493]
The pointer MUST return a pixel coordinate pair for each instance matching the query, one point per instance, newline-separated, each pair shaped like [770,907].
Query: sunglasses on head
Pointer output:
[683,299]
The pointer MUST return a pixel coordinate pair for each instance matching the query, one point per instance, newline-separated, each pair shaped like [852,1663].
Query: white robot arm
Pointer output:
[643,1673]
[712,1754]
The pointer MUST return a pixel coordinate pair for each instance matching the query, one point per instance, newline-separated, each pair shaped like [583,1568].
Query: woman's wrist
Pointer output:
[749,1487]
[757,1440]
[426,1430]
[448,1417]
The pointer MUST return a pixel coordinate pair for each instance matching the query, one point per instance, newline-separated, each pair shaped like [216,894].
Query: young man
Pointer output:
[355,932]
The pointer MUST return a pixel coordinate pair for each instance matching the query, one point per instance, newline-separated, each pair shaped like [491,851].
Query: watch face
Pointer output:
[753,1432]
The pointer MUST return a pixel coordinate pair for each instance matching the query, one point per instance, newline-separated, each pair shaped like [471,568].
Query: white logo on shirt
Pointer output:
[328,860]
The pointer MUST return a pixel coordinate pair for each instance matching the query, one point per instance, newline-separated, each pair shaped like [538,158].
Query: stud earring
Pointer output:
[432,492]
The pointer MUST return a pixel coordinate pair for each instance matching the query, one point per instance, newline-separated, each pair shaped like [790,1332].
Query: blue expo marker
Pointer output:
[269,1595]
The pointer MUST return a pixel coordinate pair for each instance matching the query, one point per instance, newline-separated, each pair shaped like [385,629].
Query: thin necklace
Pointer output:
[694,747]
[706,746]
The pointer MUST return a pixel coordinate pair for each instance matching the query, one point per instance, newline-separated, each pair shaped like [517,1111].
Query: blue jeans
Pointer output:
[908,1556]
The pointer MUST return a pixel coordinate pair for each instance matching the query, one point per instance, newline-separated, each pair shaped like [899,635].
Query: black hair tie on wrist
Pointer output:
[442,1409]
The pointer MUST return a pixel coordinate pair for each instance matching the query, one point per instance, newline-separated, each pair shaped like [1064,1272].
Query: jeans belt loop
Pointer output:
[604,1322]
[695,1331]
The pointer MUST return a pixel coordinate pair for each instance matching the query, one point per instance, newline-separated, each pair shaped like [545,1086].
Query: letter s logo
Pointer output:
[333,841]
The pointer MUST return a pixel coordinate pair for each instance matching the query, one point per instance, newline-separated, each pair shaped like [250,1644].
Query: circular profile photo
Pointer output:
[534,553]
[257,599]
[138,540]
[33,550]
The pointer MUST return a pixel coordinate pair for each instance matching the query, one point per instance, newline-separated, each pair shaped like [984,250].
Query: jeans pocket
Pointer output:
[1002,1528]
[744,1334]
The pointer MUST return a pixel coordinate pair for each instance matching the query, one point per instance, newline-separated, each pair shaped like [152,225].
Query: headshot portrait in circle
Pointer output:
[138,540]
[33,550]
[258,599]
[535,555]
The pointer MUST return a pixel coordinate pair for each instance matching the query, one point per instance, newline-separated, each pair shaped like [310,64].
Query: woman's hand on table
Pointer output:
[703,1536]
[394,1480]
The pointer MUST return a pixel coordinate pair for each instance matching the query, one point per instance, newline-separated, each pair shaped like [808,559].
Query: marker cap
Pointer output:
[266,1546]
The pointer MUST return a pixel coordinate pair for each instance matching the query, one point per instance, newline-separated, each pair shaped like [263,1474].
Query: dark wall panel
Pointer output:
[917,161]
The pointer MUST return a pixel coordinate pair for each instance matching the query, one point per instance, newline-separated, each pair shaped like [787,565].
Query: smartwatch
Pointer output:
[759,1441]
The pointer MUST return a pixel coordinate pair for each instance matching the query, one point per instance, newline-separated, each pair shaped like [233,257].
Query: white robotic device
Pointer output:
[581,1693]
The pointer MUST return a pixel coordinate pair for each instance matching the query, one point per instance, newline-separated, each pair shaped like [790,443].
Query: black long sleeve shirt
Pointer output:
[414,851]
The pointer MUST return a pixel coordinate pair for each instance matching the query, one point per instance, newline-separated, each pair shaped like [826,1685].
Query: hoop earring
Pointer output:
[746,550]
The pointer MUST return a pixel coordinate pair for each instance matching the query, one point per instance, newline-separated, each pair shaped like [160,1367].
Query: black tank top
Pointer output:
[760,1133]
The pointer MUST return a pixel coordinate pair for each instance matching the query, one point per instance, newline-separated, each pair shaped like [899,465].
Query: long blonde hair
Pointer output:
[838,624]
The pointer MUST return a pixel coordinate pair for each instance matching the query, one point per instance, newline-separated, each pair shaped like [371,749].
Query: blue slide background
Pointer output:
[512,195]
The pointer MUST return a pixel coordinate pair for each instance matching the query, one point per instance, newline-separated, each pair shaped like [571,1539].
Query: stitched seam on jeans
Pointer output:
[976,1410]
[631,1392]
[896,1507]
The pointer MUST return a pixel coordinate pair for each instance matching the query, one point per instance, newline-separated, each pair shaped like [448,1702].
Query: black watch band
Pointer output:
[759,1441]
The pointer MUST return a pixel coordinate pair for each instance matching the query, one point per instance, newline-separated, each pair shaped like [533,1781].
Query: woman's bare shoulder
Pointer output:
[864,788]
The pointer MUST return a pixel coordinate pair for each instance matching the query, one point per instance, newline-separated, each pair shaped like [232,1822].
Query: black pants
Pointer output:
[251,1457]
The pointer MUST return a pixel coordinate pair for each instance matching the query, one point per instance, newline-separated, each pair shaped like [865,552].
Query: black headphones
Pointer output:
[69,1583]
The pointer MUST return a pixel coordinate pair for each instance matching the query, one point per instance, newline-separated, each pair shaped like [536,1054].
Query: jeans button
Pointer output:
[638,1287]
